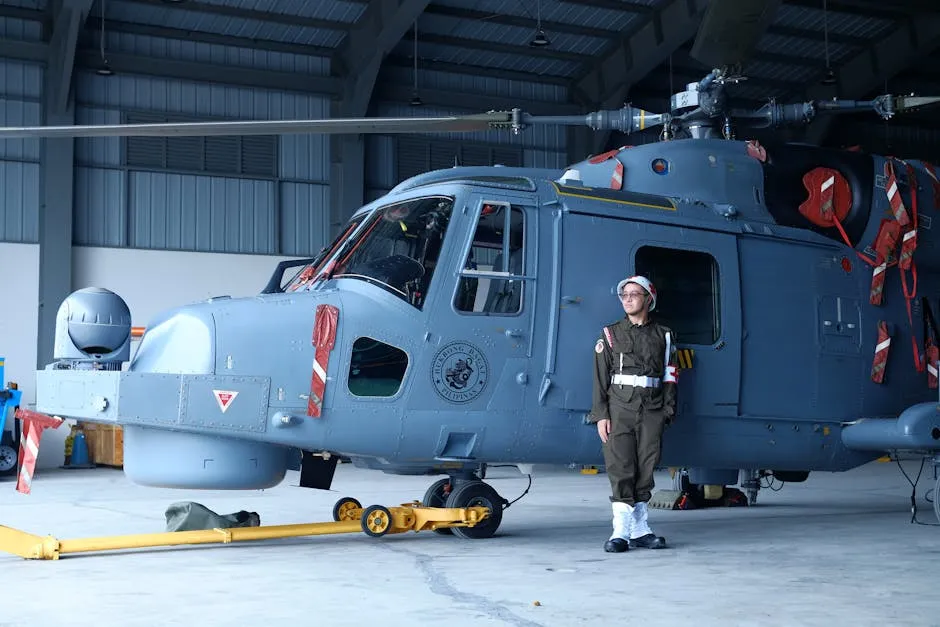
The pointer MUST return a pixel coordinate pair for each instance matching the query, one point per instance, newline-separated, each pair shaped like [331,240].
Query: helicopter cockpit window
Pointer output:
[687,291]
[491,276]
[398,248]
[306,275]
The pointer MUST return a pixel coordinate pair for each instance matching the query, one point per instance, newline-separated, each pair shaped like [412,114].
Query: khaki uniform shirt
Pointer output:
[627,348]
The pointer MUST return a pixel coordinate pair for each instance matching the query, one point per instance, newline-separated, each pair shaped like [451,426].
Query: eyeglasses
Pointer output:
[632,295]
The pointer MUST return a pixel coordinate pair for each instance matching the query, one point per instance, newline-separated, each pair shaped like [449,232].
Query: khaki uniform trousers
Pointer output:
[632,451]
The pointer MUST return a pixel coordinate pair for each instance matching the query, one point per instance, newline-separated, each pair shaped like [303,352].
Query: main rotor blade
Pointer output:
[906,103]
[477,122]
[730,30]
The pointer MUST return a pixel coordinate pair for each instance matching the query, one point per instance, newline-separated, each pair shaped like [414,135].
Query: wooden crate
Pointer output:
[105,444]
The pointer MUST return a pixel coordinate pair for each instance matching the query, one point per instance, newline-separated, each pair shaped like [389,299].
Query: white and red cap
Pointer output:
[643,282]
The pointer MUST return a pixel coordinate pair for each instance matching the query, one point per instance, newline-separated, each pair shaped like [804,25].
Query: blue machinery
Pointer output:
[9,398]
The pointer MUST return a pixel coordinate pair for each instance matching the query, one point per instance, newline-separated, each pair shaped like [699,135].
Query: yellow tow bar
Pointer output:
[348,517]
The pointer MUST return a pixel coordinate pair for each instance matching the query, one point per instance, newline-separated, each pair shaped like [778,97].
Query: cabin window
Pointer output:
[376,368]
[491,276]
[687,291]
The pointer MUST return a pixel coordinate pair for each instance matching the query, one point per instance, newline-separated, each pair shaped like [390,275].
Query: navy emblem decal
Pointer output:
[459,372]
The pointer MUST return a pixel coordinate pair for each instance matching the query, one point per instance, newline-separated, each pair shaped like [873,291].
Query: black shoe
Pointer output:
[649,541]
[616,545]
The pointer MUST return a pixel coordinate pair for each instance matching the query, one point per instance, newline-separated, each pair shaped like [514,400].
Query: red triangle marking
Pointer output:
[224,398]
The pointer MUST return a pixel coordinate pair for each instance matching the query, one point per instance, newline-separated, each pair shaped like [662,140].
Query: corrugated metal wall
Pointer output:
[388,159]
[215,195]
[20,92]
[238,195]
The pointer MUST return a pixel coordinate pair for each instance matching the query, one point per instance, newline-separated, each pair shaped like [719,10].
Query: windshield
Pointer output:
[397,248]
[303,278]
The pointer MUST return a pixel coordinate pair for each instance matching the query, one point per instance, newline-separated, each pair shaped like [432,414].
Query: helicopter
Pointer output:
[450,324]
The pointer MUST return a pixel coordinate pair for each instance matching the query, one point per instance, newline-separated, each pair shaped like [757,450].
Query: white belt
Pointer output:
[635,380]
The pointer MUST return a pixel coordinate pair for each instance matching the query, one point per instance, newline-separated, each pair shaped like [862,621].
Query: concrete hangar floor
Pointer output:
[837,549]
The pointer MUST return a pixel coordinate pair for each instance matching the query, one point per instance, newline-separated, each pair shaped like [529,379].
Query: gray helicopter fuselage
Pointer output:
[772,316]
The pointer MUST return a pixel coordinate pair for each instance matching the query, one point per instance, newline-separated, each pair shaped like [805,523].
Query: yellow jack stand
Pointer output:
[348,517]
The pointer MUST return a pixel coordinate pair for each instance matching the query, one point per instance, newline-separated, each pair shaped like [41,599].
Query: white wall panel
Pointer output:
[19,327]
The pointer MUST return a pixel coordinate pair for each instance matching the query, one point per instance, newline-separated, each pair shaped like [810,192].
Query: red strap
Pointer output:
[932,356]
[936,183]
[881,353]
[911,235]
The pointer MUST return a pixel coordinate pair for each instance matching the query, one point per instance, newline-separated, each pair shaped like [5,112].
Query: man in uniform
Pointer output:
[634,399]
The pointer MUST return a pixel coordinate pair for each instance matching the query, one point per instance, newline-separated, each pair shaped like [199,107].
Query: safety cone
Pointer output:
[78,456]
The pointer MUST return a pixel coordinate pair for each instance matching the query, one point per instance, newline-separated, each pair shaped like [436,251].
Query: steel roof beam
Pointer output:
[69,15]
[494,46]
[614,5]
[20,13]
[164,32]
[21,50]
[477,70]
[639,52]
[868,8]
[212,73]
[521,21]
[223,10]
[866,72]
[447,98]
[817,35]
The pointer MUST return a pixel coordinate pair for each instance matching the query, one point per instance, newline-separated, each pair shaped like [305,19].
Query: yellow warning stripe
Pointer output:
[684,357]
[671,206]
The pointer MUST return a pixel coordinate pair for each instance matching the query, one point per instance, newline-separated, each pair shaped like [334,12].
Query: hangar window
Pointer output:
[376,368]
[491,277]
[687,290]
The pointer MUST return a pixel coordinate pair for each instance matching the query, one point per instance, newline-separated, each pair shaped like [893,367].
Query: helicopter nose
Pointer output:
[181,342]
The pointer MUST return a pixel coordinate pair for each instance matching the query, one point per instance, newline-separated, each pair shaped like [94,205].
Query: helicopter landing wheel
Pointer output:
[376,520]
[344,508]
[436,496]
[8,459]
[478,494]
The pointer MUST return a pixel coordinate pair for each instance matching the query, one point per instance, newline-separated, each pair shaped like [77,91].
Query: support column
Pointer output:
[347,177]
[357,62]
[56,172]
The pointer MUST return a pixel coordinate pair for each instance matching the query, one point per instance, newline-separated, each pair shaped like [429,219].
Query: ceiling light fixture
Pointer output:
[540,40]
[104,69]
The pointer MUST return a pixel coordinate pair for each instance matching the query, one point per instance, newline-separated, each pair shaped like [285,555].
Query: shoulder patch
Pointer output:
[610,340]
[599,347]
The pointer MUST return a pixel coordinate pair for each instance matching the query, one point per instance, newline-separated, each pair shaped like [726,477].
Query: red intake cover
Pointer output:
[814,208]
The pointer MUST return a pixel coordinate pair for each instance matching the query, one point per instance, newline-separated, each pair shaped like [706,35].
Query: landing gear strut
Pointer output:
[459,492]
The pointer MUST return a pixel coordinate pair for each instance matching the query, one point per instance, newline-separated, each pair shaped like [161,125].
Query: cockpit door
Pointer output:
[480,344]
